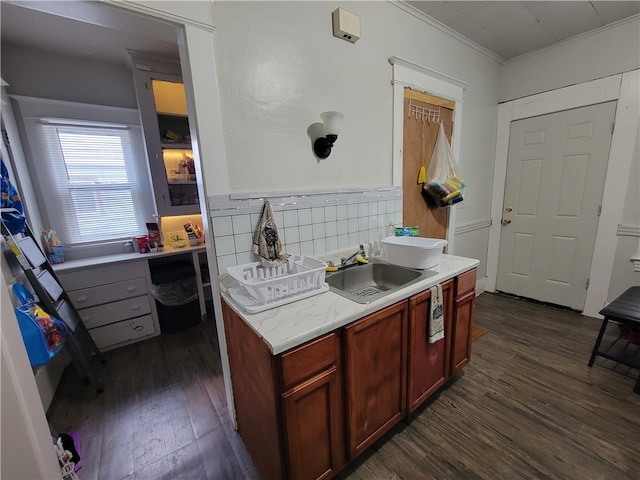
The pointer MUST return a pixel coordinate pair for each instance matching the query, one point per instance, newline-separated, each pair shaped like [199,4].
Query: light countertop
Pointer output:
[291,325]
[71,265]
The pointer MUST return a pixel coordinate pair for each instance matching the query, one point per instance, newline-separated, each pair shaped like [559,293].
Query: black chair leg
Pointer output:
[596,347]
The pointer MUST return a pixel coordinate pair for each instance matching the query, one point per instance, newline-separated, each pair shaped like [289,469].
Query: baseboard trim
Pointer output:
[481,285]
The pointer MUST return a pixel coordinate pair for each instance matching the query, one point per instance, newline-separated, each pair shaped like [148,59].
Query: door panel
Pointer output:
[555,177]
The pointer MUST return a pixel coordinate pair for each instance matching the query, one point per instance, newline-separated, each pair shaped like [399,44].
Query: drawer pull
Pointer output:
[131,288]
[81,299]
[138,328]
[135,307]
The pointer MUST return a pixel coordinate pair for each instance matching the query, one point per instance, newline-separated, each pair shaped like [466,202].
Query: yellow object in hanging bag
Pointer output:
[422,175]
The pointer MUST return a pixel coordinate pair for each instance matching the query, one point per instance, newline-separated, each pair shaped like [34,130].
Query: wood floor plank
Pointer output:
[526,407]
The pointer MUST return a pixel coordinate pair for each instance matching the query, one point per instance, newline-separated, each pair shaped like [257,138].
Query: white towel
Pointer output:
[436,320]
[266,242]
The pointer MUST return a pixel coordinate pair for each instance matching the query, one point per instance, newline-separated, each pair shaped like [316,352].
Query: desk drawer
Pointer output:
[115,333]
[94,276]
[107,313]
[88,297]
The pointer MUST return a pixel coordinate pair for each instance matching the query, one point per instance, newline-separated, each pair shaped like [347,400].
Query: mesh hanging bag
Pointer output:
[443,183]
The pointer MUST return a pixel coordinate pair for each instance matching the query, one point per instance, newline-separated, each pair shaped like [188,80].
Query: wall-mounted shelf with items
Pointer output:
[163,111]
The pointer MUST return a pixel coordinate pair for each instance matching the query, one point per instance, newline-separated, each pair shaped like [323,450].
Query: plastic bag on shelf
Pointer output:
[444,182]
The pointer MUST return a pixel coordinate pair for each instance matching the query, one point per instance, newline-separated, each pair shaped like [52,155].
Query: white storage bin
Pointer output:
[414,252]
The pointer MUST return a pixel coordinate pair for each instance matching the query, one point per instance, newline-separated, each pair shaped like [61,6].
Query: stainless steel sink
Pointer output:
[366,283]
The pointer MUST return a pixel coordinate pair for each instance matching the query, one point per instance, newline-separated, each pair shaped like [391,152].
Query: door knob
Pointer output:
[508,209]
[506,221]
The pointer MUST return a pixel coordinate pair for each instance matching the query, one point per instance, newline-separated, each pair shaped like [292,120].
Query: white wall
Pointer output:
[609,51]
[279,67]
[624,275]
[27,447]
[613,49]
[34,73]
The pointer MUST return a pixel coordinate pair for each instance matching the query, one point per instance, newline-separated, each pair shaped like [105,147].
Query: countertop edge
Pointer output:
[89,262]
[289,326]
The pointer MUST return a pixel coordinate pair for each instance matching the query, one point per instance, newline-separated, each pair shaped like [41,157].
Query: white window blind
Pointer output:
[94,180]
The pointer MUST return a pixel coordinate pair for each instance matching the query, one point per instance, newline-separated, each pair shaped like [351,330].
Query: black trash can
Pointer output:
[176,293]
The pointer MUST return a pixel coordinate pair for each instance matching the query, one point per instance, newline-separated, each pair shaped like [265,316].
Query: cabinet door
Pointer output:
[463,310]
[313,425]
[376,359]
[161,102]
[428,362]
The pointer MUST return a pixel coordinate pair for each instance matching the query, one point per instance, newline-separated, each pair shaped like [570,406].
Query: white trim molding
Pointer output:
[407,73]
[628,230]
[473,226]
[420,15]
[624,89]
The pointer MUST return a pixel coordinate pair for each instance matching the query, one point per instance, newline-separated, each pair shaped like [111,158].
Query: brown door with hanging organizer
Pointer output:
[422,116]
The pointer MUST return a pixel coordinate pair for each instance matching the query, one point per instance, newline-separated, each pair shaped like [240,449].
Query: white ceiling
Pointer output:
[510,29]
[506,28]
[103,34]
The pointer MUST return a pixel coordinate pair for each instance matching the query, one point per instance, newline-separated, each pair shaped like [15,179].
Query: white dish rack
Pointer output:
[268,287]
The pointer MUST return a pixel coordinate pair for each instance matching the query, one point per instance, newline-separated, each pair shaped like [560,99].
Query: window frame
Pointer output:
[32,111]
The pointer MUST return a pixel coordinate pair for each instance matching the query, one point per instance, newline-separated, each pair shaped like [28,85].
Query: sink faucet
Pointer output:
[344,262]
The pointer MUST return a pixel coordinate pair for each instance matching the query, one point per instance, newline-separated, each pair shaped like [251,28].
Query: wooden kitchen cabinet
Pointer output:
[375,378]
[288,407]
[463,310]
[312,409]
[305,412]
[428,363]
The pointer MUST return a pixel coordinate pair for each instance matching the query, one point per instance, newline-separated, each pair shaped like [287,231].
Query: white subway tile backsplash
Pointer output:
[304,216]
[319,246]
[318,230]
[241,224]
[278,218]
[363,210]
[222,226]
[245,257]
[306,248]
[306,233]
[312,222]
[317,214]
[243,242]
[291,218]
[292,248]
[342,212]
[332,244]
[225,261]
[354,239]
[330,213]
[225,245]
[331,228]
[292,234]
[352,211]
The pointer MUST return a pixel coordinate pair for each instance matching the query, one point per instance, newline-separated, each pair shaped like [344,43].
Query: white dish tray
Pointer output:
[251,305]
[266,285]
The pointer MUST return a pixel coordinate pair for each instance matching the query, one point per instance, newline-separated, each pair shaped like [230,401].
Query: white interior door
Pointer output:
[555,177]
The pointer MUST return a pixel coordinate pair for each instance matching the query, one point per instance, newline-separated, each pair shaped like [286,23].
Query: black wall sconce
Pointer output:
[322,145]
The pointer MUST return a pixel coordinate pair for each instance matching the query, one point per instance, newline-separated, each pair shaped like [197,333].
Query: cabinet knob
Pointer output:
[81,299]
[131,288]
[138,328]
[135,307]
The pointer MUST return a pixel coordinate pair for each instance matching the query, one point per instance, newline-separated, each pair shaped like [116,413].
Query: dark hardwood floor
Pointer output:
[526,407]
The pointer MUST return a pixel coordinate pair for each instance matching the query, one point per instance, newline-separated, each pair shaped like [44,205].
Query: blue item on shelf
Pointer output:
[43,335]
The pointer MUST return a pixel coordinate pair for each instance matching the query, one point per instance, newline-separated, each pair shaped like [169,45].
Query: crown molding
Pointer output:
[580,36]
[411,10]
